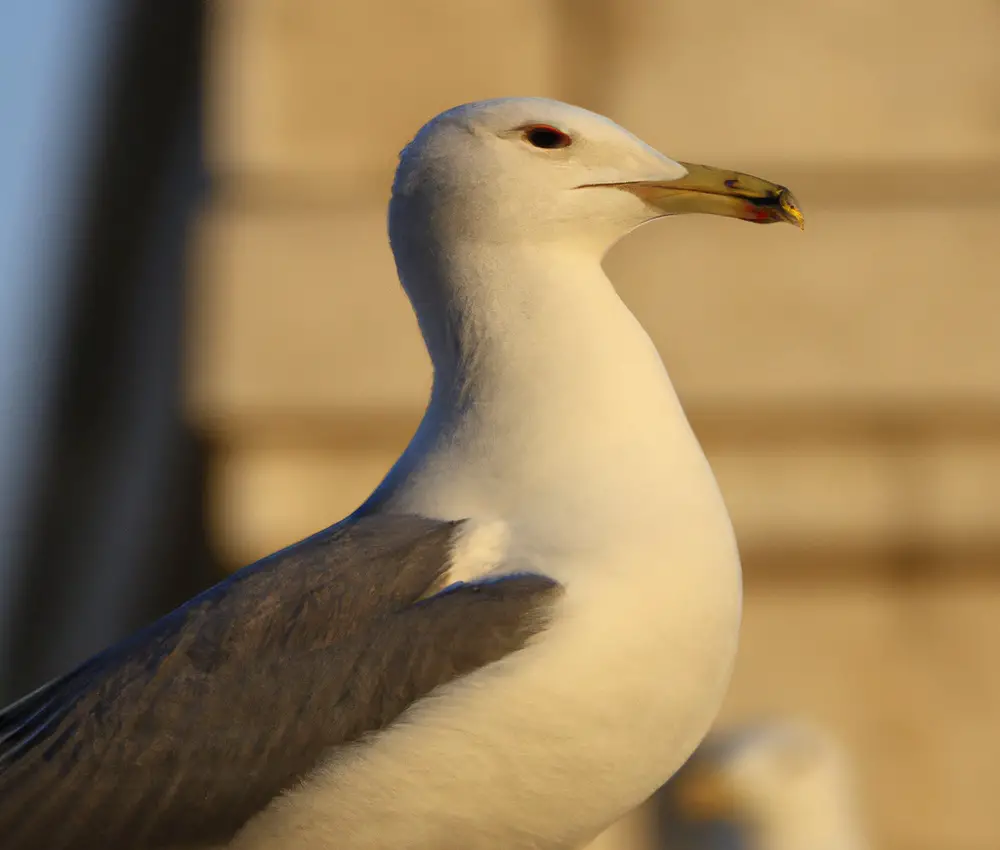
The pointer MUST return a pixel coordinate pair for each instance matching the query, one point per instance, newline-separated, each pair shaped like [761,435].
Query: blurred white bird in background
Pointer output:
[783,784]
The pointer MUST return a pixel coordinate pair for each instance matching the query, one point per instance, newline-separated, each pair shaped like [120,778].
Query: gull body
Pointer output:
[523,632]
[553,424]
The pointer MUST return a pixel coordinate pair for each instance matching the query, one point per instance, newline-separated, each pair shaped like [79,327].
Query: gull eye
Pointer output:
[546,137]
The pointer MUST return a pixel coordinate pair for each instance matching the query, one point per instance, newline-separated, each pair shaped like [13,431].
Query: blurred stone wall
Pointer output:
[845,381]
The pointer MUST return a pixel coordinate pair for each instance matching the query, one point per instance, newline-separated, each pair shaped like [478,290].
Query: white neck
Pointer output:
[812,829]
[818,812]
[550,409]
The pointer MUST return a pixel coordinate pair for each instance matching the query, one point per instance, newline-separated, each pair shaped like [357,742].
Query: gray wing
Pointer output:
[177,736]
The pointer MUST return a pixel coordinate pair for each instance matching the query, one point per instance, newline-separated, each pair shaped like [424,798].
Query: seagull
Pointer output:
[525,629]
[781,784]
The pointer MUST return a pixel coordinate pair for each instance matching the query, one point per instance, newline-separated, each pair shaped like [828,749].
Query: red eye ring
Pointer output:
[546,137]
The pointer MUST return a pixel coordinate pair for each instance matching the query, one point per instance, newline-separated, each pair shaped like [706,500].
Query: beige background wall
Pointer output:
[845,381]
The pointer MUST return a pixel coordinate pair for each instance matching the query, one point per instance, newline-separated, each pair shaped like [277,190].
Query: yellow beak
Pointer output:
[702,793]
[717,191]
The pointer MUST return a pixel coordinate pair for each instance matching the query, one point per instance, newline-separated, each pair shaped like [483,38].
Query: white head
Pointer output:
[536,169]
[535,172]
[789,782]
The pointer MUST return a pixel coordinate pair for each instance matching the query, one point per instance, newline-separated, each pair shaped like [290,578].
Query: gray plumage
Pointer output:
[178,735]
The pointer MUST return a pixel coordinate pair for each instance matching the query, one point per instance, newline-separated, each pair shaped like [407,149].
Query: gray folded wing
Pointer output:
[177,736]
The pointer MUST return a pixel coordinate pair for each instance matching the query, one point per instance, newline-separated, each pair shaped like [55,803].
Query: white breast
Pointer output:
[541,750]
[572,454]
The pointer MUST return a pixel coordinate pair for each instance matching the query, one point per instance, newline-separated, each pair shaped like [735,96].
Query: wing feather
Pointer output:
[179,735]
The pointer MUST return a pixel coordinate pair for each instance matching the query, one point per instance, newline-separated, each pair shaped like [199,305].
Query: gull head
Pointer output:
[536,170]
[789,781]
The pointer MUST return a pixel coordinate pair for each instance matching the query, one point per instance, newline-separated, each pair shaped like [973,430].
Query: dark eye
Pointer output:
[544,136]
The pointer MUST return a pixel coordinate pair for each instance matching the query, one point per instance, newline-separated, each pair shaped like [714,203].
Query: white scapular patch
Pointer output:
[480,547]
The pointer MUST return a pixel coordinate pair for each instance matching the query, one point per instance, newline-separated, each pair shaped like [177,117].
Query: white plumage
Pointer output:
[554,426]
[785,784]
